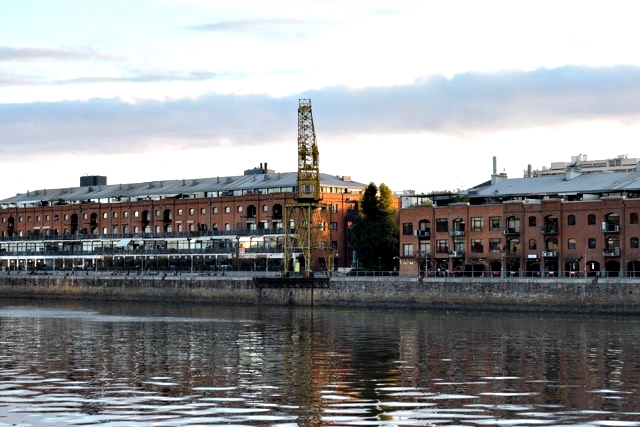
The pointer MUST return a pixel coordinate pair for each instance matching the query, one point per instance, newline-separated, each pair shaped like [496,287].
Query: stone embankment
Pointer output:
[581,295]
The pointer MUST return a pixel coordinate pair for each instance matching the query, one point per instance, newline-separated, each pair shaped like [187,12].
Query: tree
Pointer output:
[375,229]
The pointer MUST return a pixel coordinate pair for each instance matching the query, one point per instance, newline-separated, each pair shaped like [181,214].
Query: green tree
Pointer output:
[375,230]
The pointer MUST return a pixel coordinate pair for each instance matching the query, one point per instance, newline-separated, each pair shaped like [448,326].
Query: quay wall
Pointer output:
[610,295]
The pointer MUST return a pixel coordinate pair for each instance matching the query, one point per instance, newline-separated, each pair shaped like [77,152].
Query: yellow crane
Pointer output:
[307,220]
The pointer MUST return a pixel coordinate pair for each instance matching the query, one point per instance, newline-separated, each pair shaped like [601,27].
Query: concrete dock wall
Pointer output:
[514,294]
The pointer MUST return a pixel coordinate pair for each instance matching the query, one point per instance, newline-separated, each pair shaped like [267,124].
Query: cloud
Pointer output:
[466,105]
[270,28]
[9,53]
[147,77]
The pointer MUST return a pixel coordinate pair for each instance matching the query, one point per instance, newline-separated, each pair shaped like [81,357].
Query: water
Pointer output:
[115,364]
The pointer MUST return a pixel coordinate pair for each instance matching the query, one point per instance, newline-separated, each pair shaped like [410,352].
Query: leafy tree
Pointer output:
[375,229]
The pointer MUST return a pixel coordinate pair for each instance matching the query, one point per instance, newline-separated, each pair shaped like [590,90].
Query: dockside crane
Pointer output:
[307,220]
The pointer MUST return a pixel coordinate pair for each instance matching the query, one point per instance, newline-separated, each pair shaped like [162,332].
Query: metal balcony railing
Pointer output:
[511,231]
[610,228]
[609,252]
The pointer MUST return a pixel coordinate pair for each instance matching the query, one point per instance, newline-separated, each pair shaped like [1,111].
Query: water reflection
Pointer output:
[70,363]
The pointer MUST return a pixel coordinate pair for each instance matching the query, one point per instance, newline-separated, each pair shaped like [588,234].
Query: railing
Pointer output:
[549,230]
[549,254]
[423,233]
[611,252]
[610,228]
[511,231]
[456,233]
[456,254]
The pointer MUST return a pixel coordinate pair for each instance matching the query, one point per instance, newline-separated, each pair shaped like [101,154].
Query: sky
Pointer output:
[418,95]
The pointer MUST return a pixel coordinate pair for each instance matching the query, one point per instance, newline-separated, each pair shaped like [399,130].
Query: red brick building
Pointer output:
[567,225]
[199,223]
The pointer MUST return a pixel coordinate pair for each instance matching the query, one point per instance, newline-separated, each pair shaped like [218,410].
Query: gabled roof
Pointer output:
[587,183]
[175,188]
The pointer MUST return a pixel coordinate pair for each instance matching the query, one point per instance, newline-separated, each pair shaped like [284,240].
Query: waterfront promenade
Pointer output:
[602,295]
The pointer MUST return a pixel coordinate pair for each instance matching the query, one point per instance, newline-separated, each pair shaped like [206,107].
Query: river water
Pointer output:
[140,364]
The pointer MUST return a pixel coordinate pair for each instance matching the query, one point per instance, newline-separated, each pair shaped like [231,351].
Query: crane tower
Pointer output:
[307,220]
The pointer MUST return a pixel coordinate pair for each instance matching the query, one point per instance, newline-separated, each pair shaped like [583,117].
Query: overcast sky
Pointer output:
[418,95]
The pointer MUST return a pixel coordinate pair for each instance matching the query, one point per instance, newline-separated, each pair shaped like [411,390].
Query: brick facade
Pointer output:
[529,238]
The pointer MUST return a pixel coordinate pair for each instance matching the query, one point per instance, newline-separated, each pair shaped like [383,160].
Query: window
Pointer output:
[334,226]
[86,215]
[215,210]
[38,218]
[533,221]
[136,214]
[477,247]
[591,219]
[533,244]
[157,212]
[115,215]
[203,211]
[192,211]
[179,212]
[571,220]
[265,208]
[46,217]
[442,224]
[407,250]
[407,228]
[239,209]
[634,242]
[56,218]
[125,214]
[477,224]
[633,218]
[495,245]
[494,223]
[592,243]
[442,246]
[66,217]
[28,218]
[571,244]
[105,215]
[227,209]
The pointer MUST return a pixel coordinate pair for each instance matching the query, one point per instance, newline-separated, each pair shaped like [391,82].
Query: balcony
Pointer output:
[549,254]
[456,254]
[610,228]
[609,252]
[549,230]
[511,231]
[456,233]
[423,233]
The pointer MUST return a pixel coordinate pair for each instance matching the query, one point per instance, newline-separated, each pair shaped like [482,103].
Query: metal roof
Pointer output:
[586,183]
[175,188]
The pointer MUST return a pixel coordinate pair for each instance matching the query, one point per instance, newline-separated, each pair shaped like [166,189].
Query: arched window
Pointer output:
[571,220]
[533,244]
[591,219]
[533,221]
[571,244]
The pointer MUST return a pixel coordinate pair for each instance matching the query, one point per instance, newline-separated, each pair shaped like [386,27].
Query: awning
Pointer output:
[123,243]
